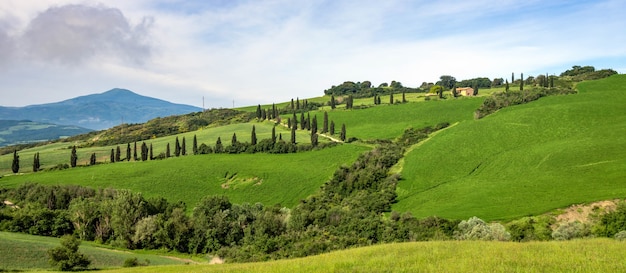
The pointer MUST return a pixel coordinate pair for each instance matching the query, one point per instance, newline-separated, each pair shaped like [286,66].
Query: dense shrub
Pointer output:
[476,229]
[66,257]
[612,222]
[571,230]
[620,236]
[504,99]
[531,229]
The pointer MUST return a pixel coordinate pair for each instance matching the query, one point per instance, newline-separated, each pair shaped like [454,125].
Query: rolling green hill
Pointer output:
[525,159]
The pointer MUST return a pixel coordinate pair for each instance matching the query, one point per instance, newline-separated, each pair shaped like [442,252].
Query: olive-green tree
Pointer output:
[66,257]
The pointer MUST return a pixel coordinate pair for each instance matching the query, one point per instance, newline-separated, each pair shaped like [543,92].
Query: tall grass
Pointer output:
[597,255]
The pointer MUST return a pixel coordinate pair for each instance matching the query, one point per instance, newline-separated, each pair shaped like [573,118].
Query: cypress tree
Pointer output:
[195,145]
[233,140]
[332,102]
[293,135]
[118,154]
[151,153]
[314,139]
[167,151]
[297,103]
[135,152]
[15,166]
[378,100]
[325,124]
[512,77]
[294,120]
[546,81]
[404,97]
[264,114]
[74,157]
[253,136]
[177,148]
[302,121]
[314,125]
[36,163]
[332,127]
[274,134]
[552,82]
[308,121]
[506,86]
[258,111]
[391,98]
[92,159]
[274,112]
[219,148]
[476,90]
[375,100]
[183,148]
[293,107]
[521,83]
[112,156]
[144,151]
[289,123]
[342,136]
[280,136]
[128,152]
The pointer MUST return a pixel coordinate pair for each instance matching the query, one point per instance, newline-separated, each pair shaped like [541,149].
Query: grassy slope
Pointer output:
[28,252]
[525,159]
[59,153]
[597,255]
[265,178]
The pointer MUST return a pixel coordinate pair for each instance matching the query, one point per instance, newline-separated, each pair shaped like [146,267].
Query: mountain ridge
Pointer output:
[98,111]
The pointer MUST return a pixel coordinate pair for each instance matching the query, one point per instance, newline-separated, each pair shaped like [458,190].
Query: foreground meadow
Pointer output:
[591,255]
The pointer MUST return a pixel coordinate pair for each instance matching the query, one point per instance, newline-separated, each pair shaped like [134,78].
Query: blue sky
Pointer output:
[271,51]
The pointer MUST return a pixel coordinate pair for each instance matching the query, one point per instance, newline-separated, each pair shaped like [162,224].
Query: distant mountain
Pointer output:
[98,111]
[26,131]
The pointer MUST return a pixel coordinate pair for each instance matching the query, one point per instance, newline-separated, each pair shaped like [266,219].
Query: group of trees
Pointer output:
[348,211]
[365,89]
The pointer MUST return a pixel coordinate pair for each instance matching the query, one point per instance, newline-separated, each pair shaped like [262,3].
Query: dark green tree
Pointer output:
[314,140]
[219,147]
[403,97]
[92,159]
[512,77]
[144,151]
[73,157]
[552,82]
[325,124]
[308,121]
[274,111]
[332,102]
[118,154]
[128,152]
[521,82]
[195,145]
[332,127]
[293,135]
[314,125]
[446,81]
[342,136]
[273,134]
[15,166]
[253,136]
[294,120]
[258,111]
[167,151]
[233,140]
[293,106]
[151,152]
[177,148]
[476,90]
[66,257]
[289,123]
[302,121]
[36,165]
[378,101]
[112,156]
[297,103]
[135,152]
[454,93]
[391,98]
[183,147]
[506,86]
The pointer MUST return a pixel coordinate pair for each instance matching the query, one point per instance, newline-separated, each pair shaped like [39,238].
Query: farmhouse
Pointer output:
[465,91]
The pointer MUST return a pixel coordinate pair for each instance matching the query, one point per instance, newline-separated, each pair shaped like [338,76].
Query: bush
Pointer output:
[476,229]
[66,257]
[611,223]
[571,230]
[133,262]
[621,236]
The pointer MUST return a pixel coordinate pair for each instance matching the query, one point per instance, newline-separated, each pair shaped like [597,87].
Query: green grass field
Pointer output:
[593,255]
[267,178]
[28,252]
[523,160]
[59,153]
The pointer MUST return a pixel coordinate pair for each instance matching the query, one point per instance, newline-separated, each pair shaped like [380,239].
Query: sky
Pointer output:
[256,52]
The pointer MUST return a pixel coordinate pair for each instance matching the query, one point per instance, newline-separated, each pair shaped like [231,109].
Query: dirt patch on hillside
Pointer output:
[585,213]
[216,260]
